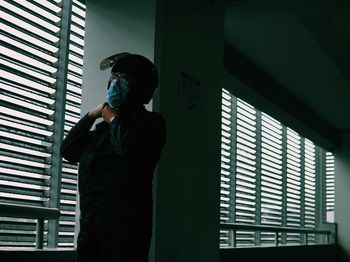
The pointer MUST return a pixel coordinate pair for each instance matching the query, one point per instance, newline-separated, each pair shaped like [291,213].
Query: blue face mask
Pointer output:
[116,93]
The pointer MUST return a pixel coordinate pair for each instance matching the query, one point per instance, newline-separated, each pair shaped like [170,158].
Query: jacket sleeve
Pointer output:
[76,139]
[140,139]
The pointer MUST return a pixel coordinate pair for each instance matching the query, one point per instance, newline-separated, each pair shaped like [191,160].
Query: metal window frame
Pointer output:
[59,119]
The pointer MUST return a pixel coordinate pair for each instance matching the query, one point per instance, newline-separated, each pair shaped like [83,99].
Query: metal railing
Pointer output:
[39,213]
[328,229]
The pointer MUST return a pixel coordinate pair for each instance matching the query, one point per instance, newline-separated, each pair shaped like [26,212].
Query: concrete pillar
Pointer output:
[342,198]
[189,53]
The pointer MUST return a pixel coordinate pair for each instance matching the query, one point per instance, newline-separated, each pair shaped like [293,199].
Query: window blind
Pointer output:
[270,175]
[246,205]
[294,185]
[271,181]
[227,156]
[30,35]
[329,187]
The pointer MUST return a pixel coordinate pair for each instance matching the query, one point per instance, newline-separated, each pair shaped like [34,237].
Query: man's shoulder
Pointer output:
[153,115]
[152,120]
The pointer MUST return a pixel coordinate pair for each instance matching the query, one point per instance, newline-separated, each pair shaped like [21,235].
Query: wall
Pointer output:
[320,253]
[18,255]
[189,39]
[249,95]
[113,26]
[342,197]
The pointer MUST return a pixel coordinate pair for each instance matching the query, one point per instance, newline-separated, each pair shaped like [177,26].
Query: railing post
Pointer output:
[234,244]
[276,238]
[306,238]
[39,233]
[331,237]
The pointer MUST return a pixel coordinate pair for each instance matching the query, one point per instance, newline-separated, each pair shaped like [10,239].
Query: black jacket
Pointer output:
[116,165]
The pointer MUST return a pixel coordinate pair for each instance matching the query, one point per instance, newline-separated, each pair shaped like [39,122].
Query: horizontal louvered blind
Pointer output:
[294,185]
[246,171]
[270,175]
[227,181]
[72,115]
[310,184]
[30,50]
[29,46]
[330,187]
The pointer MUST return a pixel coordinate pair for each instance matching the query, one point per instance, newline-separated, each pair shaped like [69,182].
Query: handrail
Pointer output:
[328,229]
[39,213]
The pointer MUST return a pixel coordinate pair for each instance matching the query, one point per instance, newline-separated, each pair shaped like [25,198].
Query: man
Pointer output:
[116,164]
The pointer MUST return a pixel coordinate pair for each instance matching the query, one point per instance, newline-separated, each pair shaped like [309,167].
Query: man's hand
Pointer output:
[97,111]
[109,113]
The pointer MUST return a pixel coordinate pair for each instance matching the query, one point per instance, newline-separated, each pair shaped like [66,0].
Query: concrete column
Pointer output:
[189,55]
[342,197]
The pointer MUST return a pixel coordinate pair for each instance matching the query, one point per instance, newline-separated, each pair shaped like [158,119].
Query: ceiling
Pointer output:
[304,45]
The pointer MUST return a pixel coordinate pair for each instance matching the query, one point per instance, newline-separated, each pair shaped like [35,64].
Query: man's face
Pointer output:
[118,88]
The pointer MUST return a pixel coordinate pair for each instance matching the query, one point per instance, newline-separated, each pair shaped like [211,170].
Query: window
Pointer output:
[270,176]
[330,188]
[42,45]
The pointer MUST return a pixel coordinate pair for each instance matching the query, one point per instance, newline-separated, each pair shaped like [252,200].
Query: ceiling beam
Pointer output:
[293,112]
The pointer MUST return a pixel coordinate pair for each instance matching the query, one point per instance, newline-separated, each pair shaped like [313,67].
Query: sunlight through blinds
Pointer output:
[30,42]
[271,186]
[330,187]
[270,175]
